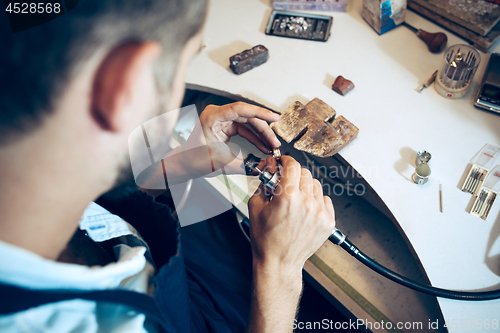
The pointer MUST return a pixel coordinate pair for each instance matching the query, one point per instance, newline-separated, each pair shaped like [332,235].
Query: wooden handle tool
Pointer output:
[436,42]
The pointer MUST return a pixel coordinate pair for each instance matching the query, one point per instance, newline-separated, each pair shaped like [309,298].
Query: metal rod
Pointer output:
[415,30]
[440,198]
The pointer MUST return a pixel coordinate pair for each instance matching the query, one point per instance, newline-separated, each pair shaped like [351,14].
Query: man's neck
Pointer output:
[44,194]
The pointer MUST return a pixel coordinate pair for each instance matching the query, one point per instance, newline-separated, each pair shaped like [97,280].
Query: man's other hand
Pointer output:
[287,230]
[218,124]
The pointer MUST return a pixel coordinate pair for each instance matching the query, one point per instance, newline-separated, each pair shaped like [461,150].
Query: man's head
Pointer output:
[102,69]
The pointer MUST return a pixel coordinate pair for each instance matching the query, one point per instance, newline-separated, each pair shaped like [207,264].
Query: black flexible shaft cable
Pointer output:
[338,238]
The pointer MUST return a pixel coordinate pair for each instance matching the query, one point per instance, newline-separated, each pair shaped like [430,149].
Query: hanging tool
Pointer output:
[436,42]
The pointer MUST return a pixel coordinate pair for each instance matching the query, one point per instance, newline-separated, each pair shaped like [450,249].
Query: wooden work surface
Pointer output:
[456,249]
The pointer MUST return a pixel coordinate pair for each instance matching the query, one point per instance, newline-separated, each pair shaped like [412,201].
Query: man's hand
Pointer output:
[206,149]
[219,123]
[285,232]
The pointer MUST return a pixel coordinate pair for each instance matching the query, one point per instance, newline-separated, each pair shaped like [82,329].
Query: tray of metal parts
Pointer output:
[302,26]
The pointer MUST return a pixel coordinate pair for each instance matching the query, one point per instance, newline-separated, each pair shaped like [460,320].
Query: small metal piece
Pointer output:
[269,180]
[423,156]
[277,154]
[428,82]
[250,164]
[440,198]
[418,179]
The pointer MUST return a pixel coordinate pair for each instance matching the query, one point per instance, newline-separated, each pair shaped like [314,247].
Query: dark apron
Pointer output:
[187,297]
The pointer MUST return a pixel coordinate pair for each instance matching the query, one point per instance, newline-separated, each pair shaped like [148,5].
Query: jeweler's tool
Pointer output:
[436,42]
[487,209]
[277,154]
[269,180]
[428,82]
[478,205]
[459,65]
[474,180]
[338,238]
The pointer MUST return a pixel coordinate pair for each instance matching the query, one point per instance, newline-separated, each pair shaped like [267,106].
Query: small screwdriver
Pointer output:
[436,42]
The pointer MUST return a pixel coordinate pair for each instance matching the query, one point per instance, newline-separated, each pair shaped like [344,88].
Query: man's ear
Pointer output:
[125,69]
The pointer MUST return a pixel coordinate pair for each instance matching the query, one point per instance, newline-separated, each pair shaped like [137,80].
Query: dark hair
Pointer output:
[37,64]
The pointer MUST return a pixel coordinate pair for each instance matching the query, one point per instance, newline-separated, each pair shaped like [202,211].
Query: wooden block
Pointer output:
[322,110]
[292,122]
[248,59]
[310,126]
[347,131]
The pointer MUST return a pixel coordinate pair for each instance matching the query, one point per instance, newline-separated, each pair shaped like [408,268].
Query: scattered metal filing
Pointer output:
[483,203]
[428,82]
[315,128]
[248,59]
[474,179]
[342,86]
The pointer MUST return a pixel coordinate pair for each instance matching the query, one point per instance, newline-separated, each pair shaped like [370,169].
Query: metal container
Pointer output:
[423,156]
[459,65]
[422,173]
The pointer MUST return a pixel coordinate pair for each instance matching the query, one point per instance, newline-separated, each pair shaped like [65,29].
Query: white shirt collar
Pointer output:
[22,267]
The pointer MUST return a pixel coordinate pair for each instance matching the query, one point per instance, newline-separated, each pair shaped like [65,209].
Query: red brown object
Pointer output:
[315,128]
[342,86]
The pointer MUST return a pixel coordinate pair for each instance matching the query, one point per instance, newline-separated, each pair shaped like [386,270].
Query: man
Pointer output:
[72,90]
